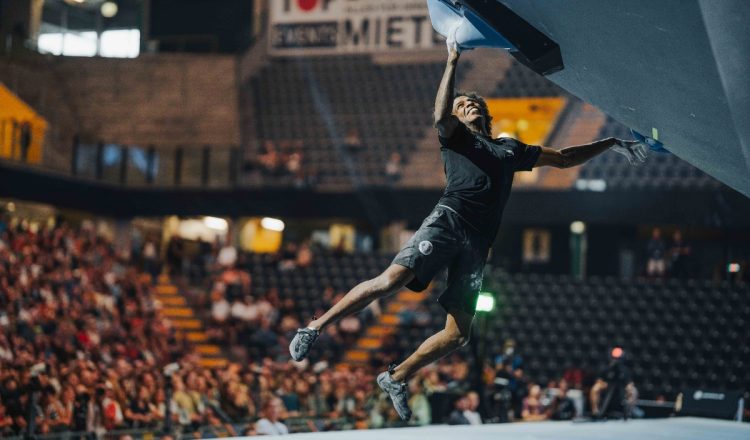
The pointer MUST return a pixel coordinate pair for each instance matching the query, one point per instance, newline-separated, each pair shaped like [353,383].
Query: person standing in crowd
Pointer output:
[25,141]
[151,258]
[679,254]
[656,250]
[617,380]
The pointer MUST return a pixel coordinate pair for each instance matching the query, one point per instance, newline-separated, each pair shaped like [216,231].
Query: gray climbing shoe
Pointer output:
[302,342]
[398,391]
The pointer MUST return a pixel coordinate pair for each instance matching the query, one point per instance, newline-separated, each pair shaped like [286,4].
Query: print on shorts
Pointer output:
[425,247]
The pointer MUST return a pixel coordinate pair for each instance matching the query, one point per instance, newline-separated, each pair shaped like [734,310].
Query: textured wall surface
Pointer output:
[155,99]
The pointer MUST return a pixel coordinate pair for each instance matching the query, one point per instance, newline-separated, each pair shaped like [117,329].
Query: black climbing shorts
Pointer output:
[445,240]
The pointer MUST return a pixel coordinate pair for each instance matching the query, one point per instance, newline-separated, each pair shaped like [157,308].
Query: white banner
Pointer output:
[303,27]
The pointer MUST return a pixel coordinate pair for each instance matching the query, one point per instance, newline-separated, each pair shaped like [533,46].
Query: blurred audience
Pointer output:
[88,319]
[70,305]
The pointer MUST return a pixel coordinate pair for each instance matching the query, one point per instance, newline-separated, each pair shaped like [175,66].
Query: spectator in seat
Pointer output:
[289,397]
[345,402]
[6,422]
[140,412]
[288,257]
[220,307]
[419,404]
[656,250]
[216,428]
[470,412]
[352,141]
[294,165]
[151,258]
[185,408]
[269,159]
[458,416]
[112,411]
[270,424]
[533,410]
[563,407]
[393,168]
[227,255]
[304,255]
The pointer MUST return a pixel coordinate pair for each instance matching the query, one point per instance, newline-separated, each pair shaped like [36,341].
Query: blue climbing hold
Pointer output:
[653,144]
[460,24]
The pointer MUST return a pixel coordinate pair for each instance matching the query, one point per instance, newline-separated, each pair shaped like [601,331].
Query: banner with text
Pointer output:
[304,27]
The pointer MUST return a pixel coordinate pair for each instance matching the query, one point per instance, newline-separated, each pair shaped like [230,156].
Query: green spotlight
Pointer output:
[485,302]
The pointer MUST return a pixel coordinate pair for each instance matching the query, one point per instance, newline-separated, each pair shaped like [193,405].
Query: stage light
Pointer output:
[109,9]
[485,302]
[578,227]
[617,352]
[272,224]
[734,267]
[218,224]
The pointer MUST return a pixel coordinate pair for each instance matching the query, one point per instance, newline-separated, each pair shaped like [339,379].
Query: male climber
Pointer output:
[459,231]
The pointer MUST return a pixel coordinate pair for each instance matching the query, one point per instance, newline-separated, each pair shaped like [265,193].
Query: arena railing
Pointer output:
[205,166]
[209,166]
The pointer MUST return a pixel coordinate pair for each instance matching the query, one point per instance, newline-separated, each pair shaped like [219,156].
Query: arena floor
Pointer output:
[683,428]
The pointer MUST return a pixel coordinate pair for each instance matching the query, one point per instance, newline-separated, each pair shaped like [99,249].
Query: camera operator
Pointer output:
[617,381]
[501,395]
[31,395]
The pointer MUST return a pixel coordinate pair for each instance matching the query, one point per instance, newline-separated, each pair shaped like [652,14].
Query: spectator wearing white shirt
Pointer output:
[220,308]
[470,412]
[270,423]
[227,255]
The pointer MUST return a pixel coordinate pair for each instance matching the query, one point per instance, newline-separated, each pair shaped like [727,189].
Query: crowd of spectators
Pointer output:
[80,328]
[252,322]
[85,347]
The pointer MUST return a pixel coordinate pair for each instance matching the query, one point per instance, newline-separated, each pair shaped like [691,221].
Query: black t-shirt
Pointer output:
[479,171]
[617,376]
[616,372]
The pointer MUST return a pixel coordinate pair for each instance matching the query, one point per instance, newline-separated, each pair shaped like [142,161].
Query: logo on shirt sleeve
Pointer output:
[425,247]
